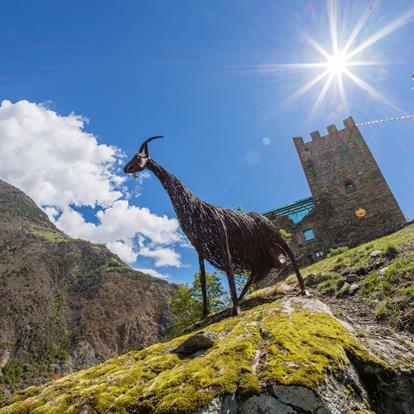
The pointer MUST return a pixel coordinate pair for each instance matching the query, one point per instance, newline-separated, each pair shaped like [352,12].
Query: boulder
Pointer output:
[375,253]
[352,278]
[353,288]
[198,342]
[289,356]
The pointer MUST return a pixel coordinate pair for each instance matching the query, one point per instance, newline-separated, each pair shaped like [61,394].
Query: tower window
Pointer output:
[308,234]
[349,186]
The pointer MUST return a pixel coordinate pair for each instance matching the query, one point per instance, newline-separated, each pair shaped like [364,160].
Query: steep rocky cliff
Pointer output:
[66,304]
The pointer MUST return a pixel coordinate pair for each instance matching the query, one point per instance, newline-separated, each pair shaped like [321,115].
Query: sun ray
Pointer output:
[316,46]
[369,63]
[370,89]
[321,96]
[360,24]
[266,68]
[306,87]
[342,93]
[333,27]
[388,29]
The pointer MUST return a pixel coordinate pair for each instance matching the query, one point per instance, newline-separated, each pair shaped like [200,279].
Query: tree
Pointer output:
[188,306]
[217,298]
[285,235]
[186,310]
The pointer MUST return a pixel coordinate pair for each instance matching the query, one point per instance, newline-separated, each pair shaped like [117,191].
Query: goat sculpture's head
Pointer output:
[140,159]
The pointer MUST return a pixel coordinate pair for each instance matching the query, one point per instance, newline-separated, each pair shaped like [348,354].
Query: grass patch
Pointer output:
[409,290]
[393,279]
[337,251]
[48,235]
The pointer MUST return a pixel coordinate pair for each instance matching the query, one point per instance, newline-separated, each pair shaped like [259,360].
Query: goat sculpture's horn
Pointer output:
[144,146]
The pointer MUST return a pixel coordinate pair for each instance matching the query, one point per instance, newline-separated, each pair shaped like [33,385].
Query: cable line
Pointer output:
[384,120]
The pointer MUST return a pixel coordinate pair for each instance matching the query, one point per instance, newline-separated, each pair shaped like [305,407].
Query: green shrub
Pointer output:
[328,287]
[409,290]
[14,371]
[371,283]
[390,251]
[381,309]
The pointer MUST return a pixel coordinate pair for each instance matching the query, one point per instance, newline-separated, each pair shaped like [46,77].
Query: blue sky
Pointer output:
[198,73]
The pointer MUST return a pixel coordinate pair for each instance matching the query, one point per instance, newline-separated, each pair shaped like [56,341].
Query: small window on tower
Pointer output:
[308,234]
[349,186]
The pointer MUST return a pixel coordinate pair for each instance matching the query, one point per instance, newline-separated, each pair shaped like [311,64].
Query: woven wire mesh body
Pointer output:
[254,243]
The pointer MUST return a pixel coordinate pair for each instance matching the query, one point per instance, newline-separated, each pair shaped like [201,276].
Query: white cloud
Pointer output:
[53,159]
[153,272]
[124,250]
[163,256]
[61,166]
[119,222]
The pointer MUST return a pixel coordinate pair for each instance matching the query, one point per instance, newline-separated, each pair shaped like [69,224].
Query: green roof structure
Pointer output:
[295,211]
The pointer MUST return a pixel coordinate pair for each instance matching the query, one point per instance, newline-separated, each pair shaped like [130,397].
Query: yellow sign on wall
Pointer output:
[360,212]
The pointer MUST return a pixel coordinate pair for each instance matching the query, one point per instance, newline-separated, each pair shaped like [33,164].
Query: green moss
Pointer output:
[300,347]
[48,235]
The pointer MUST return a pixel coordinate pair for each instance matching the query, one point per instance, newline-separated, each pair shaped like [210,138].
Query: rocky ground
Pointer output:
[371,285]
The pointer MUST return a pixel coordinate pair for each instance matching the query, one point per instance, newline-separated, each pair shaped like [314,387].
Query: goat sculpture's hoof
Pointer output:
[236,311]
[304,293]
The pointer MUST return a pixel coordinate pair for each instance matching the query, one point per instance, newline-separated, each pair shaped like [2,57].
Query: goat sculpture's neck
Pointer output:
[182,199]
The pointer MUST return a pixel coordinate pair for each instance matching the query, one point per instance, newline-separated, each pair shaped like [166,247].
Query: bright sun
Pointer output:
[338,62]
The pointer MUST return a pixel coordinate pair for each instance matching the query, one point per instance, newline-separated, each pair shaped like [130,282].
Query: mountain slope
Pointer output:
[66,304]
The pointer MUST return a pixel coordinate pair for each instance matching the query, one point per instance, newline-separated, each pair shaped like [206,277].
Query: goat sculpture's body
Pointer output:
[232,241]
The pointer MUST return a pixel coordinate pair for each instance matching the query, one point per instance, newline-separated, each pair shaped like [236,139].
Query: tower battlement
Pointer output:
[333,132]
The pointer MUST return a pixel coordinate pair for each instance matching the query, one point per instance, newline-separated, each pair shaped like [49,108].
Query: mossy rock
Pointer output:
[303,346]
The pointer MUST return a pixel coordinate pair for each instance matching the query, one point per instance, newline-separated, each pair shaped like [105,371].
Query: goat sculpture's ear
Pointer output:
[144,146]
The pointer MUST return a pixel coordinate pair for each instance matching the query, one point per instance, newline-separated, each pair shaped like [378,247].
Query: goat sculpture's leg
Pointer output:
[247,284]
[230,276]
[292,258]
[255,276]
[203,283]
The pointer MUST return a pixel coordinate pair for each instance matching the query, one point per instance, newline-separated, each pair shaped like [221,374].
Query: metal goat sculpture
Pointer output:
[234,242]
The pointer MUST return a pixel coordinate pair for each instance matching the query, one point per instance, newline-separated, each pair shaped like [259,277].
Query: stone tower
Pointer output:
[353,202]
